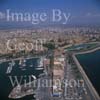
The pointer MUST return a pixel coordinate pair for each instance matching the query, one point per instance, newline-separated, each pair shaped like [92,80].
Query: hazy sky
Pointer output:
[82,11]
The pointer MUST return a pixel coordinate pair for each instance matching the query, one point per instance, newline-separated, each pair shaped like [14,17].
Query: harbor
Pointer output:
[22,69]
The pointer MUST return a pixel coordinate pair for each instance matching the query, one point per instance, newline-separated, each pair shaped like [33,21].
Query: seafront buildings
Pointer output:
[57,62]
[61,37]
[58,75]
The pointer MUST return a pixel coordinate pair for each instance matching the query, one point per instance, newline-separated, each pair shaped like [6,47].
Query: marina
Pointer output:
[12,68]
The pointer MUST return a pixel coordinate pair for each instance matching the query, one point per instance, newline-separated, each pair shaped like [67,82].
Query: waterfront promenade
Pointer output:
[88,51]
[87,80]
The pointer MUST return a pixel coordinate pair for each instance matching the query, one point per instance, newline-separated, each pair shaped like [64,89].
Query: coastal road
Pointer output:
[91,89]
[74,93]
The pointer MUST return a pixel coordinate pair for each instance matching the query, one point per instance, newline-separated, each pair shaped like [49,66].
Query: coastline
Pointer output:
[88,51]
[87,80]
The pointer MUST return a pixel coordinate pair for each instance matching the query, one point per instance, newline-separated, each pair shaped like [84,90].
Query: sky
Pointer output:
[83,12]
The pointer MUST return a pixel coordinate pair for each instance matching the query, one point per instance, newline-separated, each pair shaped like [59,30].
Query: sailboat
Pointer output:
[31,65]
[40,64]
[9,69]
[22,64]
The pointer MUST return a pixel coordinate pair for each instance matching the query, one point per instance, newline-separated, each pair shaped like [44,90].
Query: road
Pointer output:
[75,92]
[69,92]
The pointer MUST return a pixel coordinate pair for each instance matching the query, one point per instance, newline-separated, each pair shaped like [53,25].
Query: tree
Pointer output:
[51,47]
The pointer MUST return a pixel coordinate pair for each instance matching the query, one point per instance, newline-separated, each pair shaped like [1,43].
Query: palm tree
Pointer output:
[51,48]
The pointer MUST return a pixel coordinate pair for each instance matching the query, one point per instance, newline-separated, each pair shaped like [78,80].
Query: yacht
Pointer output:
[22,60]
[31,65]
[22,63]
[39,68]
[23,69]
[40,64]
[13,62]
[9,69]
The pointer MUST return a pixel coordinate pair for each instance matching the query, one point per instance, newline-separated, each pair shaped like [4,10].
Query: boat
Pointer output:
[13,62]
[23,69]
[9,69]
[40,64]
[34,77]
[31,66]
[39,68]
[24,60]
[22,63]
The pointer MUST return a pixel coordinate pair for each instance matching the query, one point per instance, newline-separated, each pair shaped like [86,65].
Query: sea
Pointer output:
[91,65]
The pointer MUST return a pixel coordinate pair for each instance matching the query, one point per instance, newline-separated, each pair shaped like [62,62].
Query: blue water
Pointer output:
[91,64]
[5,83]
[80,46]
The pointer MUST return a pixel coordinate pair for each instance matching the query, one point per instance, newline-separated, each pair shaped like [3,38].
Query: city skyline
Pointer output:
[83,12]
